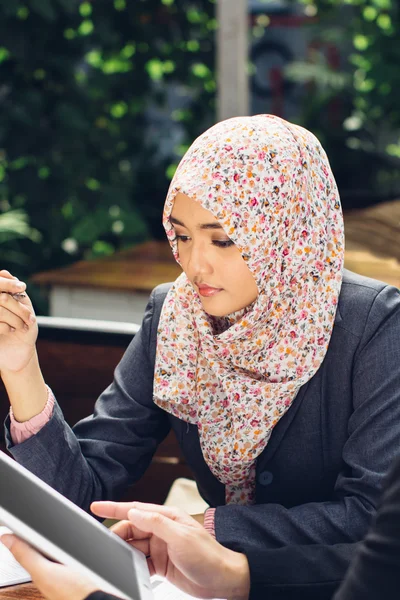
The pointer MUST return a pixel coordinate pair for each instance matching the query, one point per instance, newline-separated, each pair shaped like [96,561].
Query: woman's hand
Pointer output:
[54,581]
[180,549]
[18,327]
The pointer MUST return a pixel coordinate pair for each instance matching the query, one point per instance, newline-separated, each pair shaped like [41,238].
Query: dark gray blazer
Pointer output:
[319,478]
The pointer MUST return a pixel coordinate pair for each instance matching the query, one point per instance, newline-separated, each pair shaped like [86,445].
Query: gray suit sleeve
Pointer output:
[104,453]
[372,444]
[375,570]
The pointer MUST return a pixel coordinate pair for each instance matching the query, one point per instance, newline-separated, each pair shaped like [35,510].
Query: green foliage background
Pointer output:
[81,174]
[79,169]
[354,109]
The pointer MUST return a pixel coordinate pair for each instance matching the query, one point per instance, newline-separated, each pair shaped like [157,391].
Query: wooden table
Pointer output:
[24,591]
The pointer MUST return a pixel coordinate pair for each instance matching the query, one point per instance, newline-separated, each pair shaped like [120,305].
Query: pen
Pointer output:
[18,295]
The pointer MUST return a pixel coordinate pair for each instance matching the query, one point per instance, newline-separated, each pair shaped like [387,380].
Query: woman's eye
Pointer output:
[182,238]
[223,243]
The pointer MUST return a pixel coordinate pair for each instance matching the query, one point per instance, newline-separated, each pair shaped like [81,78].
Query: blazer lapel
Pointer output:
[282,426]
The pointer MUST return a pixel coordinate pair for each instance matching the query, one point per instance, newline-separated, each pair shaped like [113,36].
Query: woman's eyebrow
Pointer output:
[175,221]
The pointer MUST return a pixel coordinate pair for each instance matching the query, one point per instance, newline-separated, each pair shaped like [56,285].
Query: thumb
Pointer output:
[27,557]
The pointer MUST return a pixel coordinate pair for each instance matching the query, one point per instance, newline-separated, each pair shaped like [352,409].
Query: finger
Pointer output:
[123,529]
[4,329]
[28,558]
[15,307]
[157,524]
[7,274]
[11,284]
[119,510]
[172,512]
[10,313]
[127,531]
[11,319]
[142,545]
[111,510]
[159,555]
[150,565]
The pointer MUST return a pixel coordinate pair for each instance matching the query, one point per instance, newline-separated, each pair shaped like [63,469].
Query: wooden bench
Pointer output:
[78,358]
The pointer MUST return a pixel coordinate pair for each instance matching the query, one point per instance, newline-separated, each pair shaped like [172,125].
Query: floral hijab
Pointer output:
[270,186]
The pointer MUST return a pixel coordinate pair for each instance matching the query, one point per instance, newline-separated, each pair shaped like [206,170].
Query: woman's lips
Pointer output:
[205,290]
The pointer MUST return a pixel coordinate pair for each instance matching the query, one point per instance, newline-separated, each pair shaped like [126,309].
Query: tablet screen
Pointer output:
[68,527]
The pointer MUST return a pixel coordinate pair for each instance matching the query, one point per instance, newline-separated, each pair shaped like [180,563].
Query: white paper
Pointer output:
[11,571]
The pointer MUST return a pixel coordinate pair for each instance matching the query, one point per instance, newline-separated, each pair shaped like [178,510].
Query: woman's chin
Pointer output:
[214,307]
[218,307]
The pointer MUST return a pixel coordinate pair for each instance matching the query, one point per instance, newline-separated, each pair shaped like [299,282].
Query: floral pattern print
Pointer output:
[269,184]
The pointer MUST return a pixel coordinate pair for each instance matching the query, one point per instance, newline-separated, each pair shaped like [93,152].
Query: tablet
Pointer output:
[62,531]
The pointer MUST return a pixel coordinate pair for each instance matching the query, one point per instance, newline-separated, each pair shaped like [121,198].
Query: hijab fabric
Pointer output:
[270,186]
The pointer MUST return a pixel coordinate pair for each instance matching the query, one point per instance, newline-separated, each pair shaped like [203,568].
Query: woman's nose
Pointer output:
[198,261]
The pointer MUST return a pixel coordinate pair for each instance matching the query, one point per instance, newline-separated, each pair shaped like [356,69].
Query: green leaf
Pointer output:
[370,13]
[171,170]
[44,172]
[119,110]
[86,27]
[23,13]
[14,224]
[201,70]
[128,50]
[168,66]
[93,184]
[94,58]
[4,54]
[69,33]
[85,9]
[91,227]
[384,22]
[383,4]
[193,45]
[101,248]
[393,150]
[120,5]
[360,42]
[155,69]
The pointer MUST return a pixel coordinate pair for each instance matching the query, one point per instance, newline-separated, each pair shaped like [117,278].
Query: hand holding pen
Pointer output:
[18,327]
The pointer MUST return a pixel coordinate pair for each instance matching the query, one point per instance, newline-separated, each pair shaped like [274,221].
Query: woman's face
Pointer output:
[210,259]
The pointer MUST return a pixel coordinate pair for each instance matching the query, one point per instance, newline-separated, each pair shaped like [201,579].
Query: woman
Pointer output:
[276,369]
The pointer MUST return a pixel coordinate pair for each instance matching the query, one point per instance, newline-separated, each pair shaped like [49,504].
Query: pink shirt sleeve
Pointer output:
[23,431]
[209,521]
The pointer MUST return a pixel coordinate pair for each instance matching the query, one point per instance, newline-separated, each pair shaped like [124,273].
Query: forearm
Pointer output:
[313,571]
[271,526]
[286,561]
[54,454]
[276,532]
[26,390]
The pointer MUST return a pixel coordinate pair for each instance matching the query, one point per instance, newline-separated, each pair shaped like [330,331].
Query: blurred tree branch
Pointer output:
[82,91]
